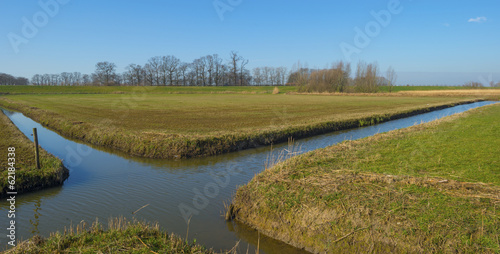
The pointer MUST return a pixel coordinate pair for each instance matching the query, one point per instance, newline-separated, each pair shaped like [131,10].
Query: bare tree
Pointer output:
[77,78]
[182,73]
[218,69]
[154,70]
[36,80]
[105,73]
[65,78]
[199,68]
[243,75]
[149,75]
[391,77]
[367,80]
[169,66]
[257,76]
[282,73]
[86,79]
[46,79]
[135,75]
[234,60]
[55,79]
[473,85]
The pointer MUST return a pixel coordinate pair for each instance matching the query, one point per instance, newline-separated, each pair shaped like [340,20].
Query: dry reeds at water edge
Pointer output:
[285,154]
[272,160]
[229,211]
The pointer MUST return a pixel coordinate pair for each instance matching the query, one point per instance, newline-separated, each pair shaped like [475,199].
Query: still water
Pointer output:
[105,184]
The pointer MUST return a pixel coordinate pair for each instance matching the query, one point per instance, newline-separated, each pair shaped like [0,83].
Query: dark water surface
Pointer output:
[105,184]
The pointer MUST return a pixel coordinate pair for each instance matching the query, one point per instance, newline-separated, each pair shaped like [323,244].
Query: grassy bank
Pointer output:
[434,188]
[187,125]
[28,178]
[120,236]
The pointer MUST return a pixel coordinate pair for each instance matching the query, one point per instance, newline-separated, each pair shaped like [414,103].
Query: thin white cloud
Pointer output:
[446,24]
[478,19]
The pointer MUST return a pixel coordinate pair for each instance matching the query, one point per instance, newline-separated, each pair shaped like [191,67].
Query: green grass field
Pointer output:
[185,125]
[434,188]
[28,178]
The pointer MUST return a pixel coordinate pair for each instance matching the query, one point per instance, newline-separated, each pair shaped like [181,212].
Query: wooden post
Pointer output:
[35,137]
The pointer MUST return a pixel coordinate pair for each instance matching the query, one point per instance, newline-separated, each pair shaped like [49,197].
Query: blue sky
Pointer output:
[426,42]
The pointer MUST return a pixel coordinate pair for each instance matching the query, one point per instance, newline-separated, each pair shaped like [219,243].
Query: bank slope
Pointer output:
[27,177]
[434,187]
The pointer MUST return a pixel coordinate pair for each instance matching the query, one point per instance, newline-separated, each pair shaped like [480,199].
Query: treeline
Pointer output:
[9,80]
[337,79]
[210,70]
[477,85]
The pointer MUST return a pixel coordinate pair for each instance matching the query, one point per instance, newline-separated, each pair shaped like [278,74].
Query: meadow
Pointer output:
[168,125]
[28,177]
[433,187]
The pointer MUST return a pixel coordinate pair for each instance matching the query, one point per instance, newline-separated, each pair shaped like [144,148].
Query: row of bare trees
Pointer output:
[210,70]
[63,79]
[9,80]
[338,79]
[270,76]
[477,85]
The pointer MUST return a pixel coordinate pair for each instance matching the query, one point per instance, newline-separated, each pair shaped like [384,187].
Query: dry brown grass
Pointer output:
[489,94]
[486,93]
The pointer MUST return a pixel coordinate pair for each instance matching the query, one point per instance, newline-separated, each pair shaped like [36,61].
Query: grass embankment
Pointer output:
[188,125]
[434,188]
[142,89]
[28,178]
[120,236]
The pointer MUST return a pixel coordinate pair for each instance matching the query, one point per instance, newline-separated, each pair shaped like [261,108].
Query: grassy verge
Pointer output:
[434,187]
[28,178]
[120,236]
[188,125]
